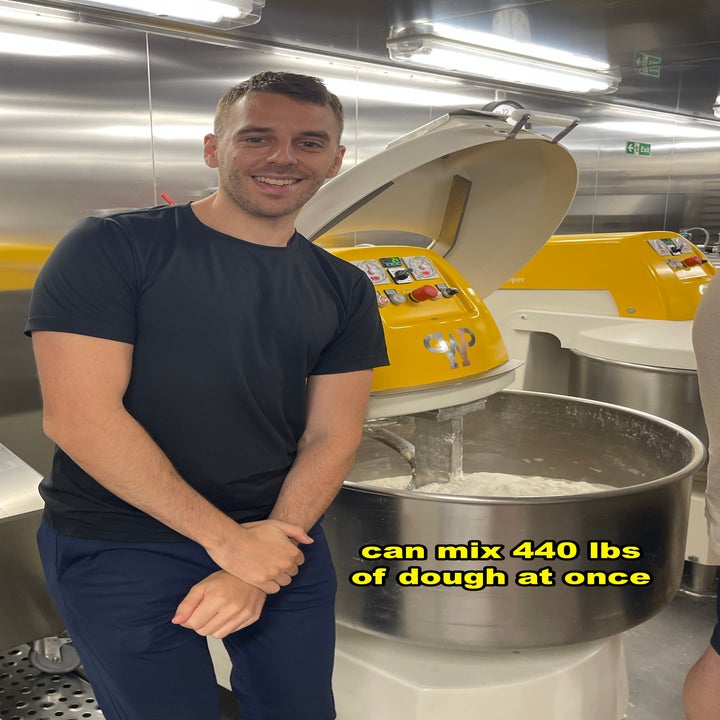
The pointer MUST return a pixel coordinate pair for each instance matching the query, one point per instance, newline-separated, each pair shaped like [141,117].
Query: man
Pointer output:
[701,693]
[205,373]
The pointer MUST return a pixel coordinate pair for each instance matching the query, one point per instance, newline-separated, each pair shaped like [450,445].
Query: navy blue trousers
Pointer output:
[117,600]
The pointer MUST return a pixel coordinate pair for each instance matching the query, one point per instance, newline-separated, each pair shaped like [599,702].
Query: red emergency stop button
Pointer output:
[692,261]
[425,292]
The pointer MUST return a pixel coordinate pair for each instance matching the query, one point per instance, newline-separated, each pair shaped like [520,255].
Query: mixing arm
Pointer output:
[393,440]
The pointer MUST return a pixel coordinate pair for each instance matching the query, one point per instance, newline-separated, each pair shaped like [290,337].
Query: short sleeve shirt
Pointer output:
[225,334]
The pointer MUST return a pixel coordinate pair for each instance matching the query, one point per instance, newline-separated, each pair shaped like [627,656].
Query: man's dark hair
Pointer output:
[299,87]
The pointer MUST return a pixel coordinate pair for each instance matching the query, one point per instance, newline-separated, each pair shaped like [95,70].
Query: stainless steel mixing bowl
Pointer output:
[649,462]
[670,393]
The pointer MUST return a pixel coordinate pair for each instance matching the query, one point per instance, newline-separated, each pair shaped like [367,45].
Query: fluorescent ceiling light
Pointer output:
[227,14]
[31,13]
[498,58]
[659,128]
[18,44]
[159,131]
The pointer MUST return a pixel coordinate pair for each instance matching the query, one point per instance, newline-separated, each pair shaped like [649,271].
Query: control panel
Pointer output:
[397,279]
[671,247]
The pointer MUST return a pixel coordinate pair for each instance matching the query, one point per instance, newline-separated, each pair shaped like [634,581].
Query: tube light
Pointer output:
[20,44]
[227,14]
[498,58]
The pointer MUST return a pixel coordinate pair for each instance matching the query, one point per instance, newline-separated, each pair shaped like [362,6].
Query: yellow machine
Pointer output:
[626,298]
[438,221]
[20,264]
[653,275]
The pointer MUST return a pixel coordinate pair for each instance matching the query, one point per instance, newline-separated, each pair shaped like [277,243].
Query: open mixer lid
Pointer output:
[487,195]
[438,220]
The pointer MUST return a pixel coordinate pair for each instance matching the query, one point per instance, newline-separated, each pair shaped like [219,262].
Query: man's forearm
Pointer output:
[326,450]
[313,481]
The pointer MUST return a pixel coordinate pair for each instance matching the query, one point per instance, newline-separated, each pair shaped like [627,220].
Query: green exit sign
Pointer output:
[637,148]
[647,64]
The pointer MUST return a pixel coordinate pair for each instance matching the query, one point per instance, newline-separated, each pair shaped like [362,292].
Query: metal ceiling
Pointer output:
[686,36]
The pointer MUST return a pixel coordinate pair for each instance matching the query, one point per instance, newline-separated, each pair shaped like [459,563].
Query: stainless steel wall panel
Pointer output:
[75,140]
[391,104]
[75,127]
[82,135]
[632,189]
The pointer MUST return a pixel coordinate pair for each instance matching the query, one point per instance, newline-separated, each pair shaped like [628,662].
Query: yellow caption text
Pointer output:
[490,575]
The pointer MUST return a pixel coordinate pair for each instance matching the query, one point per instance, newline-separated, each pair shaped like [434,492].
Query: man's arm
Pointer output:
[83,380]
[221,604]
[326,450]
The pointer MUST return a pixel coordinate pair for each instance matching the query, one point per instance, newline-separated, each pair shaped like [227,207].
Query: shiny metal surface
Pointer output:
[27,693]
[19,389]
[669,393]
[76,126]
[27,611]
[120,117]
[648,460]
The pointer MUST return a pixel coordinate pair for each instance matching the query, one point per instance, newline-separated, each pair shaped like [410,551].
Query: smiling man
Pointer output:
[205,372]
[271,159]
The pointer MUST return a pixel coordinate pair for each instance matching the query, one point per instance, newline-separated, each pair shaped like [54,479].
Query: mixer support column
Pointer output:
[439,443]
[438,450]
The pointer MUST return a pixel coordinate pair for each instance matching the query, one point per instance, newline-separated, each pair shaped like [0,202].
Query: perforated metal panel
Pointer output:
[28,694]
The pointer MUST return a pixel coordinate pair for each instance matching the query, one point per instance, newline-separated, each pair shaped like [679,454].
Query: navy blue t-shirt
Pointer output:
[225,334]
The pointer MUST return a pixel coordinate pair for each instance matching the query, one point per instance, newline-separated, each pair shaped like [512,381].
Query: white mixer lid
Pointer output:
[487,199]
[655,343]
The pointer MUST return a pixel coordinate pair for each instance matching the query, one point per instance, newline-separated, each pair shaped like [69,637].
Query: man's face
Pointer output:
[273,153]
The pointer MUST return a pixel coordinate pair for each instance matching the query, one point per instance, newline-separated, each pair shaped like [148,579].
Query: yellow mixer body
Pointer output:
[655,275]
[447,335]
[20,264]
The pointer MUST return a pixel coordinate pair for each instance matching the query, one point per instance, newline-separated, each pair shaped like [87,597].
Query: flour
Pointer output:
[487,484]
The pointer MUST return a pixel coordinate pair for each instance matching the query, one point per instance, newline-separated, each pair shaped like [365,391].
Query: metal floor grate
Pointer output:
[26,693]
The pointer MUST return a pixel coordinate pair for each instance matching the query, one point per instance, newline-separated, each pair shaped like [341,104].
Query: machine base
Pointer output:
[390,680]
